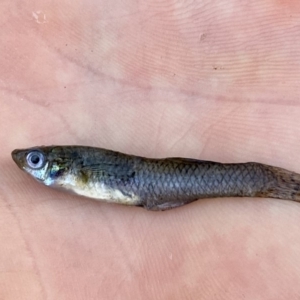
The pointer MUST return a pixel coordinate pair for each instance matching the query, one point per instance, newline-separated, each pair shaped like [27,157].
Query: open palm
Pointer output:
[213,80]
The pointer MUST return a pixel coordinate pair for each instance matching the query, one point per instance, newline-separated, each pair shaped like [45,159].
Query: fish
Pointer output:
[152,183]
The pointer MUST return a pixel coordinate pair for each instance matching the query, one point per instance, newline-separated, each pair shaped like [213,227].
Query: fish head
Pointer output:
[47,165]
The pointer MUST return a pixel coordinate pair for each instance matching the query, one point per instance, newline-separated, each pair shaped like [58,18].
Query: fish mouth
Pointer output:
[14,156]
[17,156]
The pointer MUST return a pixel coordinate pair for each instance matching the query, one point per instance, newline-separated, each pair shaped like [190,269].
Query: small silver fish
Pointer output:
[156,184]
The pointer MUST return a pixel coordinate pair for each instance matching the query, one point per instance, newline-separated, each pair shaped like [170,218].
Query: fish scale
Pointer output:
[156,184]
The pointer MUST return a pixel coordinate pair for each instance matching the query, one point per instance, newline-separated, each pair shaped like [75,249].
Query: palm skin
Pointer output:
[212,80]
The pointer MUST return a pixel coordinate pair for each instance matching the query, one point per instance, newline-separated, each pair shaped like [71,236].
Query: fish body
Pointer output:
[156,184]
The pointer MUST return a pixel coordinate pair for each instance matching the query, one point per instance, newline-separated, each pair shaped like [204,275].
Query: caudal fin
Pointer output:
[285,185]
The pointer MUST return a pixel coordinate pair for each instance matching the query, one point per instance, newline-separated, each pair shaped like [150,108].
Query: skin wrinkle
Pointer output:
[20,91]
[180,138]
[20,94]
[159,129]
[67,127]
[192,125]
[186,93]
[119,243]
[89,68]
[27,243]
[205,134]
[100,75]
[46,105]
[143,241]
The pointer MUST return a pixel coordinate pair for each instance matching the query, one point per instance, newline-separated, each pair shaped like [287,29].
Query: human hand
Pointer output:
[207,80]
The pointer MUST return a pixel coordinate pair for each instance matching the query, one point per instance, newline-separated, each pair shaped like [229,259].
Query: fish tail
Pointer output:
[286,185]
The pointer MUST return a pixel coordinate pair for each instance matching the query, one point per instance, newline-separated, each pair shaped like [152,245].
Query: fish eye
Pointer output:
[35,159]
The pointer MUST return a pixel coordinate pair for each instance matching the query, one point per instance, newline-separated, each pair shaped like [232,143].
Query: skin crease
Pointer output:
[213,80]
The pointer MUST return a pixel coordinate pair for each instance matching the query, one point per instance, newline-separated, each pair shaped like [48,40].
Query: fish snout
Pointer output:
[18,157]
